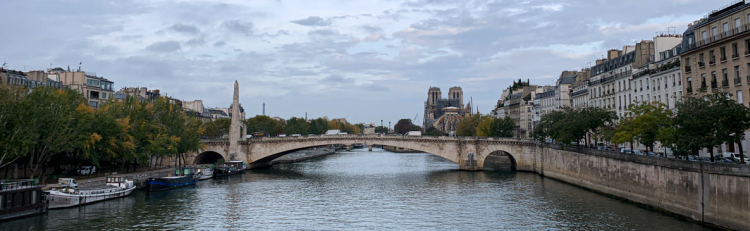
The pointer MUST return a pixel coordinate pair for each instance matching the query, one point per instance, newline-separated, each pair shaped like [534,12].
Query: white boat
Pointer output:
[72,196]
[205,173]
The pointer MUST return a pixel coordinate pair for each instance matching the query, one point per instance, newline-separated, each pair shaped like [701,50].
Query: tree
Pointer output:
[15,139]
[381,129]
[318,126]
[56,120]
[495,127]
[404,126]
[297,126]
[432,131]
[733,120]
[261,123]
[569,125]
[468,126]
[694,126]
[643,123]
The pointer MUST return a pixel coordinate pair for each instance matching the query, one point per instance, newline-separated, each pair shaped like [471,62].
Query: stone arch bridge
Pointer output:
[469,152]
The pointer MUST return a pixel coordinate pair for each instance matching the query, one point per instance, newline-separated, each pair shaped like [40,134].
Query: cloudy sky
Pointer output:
[364,60]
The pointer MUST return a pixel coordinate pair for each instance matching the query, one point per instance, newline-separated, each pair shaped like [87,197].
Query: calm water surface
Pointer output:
[363,190]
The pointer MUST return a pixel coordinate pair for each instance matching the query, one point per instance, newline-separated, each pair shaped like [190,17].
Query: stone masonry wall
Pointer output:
[718,194]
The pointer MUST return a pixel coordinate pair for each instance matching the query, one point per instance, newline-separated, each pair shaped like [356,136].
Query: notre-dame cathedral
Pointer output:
[444,114]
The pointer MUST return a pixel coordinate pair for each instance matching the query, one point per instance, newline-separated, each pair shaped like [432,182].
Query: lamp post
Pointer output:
[381,126]
[389,127]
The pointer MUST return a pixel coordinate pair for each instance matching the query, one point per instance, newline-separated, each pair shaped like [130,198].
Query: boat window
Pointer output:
[187,171]
[177,172]
[2,202]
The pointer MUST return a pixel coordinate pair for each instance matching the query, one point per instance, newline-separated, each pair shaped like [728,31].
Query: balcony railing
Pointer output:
[687,69]
[724,83]
[734,31]
[747,52]
[711,62]
[703,84]
[735,56]
[714,85]
[690,90]
[701,64]
[737,81]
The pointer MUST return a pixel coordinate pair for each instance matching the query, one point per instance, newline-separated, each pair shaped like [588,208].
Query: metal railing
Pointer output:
[14,185]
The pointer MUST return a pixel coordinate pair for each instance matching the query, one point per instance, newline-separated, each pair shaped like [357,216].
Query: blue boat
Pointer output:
[182,177]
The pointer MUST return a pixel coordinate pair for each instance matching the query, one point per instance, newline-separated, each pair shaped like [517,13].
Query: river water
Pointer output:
[363,190]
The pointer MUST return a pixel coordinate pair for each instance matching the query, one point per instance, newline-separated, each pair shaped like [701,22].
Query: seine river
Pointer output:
[363,190]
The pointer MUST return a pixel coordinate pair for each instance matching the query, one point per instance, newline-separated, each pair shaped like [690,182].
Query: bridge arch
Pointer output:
[208,157]
[500,160]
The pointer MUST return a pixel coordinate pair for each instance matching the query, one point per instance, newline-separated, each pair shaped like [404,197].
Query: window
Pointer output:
[726,29]
[737,71]
[714,32]
[725,74]
[747,46]
[735,53]
[690,82]
[739,97]
[723,53]
[705,36]
[737,24]
[700,60]
[712,58]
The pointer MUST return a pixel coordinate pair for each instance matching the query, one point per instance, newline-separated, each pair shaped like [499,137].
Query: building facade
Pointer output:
[96,90]
[716,57]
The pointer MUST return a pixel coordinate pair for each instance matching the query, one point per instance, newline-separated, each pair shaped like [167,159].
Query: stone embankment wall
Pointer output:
[717,194]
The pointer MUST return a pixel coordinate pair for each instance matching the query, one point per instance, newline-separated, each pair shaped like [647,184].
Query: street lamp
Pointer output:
[389,127]
[381,126]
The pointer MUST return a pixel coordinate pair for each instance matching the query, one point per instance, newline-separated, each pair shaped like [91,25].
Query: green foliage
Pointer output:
[495,127]
[15,140]
[318,126]
[381,129]
[468,126]
[261,123]
[58,121]
[643,123]
[432,131]
[404,126]
[297,126]
[571,125]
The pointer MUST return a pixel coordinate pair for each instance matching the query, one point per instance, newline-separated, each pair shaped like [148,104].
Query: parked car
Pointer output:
[281,135]
[626,150]
[296,135]
[86,170]
[638,152]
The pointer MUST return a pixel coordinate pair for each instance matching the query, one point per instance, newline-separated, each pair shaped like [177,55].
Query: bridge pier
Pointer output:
[348,148]
[469,163]
[369,148]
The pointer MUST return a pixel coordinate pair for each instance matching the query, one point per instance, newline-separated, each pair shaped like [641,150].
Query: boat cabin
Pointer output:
[21,198]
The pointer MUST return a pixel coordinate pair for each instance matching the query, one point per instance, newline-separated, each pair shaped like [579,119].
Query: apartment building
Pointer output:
[716,56]
[95,89]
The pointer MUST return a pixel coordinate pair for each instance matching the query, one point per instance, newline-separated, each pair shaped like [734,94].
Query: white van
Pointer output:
[67,182]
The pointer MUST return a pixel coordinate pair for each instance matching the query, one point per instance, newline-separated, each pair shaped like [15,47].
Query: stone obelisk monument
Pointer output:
[237,129]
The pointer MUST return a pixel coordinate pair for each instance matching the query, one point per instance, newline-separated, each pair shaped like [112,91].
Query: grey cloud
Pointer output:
[219,44]
[168,46]
[313,21]
[372,28]
[337,79]
[238,26]
[195,42]
[184,28]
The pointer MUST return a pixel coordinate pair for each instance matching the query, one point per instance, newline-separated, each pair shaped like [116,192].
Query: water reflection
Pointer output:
[363,190]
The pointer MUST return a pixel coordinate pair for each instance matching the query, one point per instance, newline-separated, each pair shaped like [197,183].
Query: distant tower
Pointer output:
[457,93]
[237,129]
[433,95]
[264,107]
